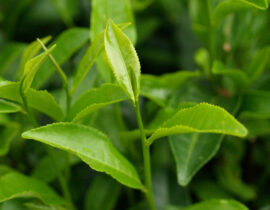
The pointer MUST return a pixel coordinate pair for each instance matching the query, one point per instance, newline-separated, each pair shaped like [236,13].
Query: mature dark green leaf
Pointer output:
[31,68]
[123,60]
[256,104]
[39,100]
[202,118]
[14,185]
[191,152]
[159,88]
[237,76]
[92,146]
[69,42]
[95,99]
[102,189]
[216,204]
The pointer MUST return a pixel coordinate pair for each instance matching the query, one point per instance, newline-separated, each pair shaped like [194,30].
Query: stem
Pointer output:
[146,159]
[63,181]
[26,107]
[61,73]
[211,34]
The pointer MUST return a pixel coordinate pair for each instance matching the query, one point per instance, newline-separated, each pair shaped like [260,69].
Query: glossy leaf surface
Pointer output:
[92,146]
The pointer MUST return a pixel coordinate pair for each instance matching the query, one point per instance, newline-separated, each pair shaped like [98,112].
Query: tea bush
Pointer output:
[159,104]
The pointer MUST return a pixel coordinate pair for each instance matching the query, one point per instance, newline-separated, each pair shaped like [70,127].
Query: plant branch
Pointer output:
[146,159]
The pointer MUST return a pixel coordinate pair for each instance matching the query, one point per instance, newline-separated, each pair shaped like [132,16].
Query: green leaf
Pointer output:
[95,99]
[102,189]
[159,88]
[92,146]
[39,100]
[8,107]
[69,42]
[202,118]
[31,50]
[216,204]
[88,60]
[230,6]
[258,64]
[191,152]
[120,11]
[256,104]
[31,68]
[7,133]
[237,76]
[15,185]
[9,54]
[123,60]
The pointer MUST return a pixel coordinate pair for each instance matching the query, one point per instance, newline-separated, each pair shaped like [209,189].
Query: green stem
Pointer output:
[63,181]
[146,159]
[25,104]
[61,73]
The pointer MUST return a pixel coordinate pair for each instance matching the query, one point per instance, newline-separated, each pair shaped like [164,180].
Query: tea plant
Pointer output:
[102,111]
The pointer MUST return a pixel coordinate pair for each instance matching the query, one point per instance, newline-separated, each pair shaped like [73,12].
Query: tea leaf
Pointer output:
[9,54]
[202,118]
[7,134]
[88,60]
[92,146]
[191,152]
[216,204]
[159,88]
[239,77]
[123,60]
[31,68]
[120,11]
[15,185]
[8,107]
[39,100]
[31,50]
[95,99]
[229,6]
[69,42]
[256,104]
[102,189]
[258,64]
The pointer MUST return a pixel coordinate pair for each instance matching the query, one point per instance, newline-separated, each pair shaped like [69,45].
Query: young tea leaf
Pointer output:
[202,118]
[92,146]
[31,68]
[31,50]
[69,42]
[123,60]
